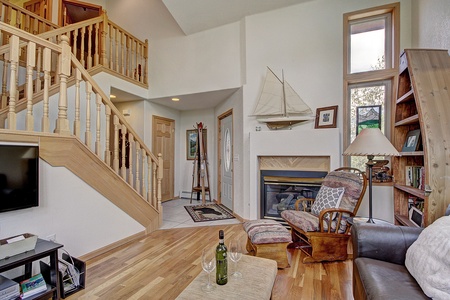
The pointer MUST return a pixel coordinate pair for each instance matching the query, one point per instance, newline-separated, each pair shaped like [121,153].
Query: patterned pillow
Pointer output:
[327,198]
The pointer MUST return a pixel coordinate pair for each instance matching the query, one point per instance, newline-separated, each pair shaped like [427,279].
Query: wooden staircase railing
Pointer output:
[21,18]
[96,42]
[80,108]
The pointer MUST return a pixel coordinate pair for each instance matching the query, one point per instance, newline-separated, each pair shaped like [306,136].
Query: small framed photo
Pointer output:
[191,143]
[368,117]
[412,141]
[326,117]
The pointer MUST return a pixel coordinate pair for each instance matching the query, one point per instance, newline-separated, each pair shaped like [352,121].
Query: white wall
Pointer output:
[180,64]
[431,24]
[82,219]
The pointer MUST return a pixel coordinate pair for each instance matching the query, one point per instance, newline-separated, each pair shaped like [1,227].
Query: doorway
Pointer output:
[163,141]
[71,11]
[42,8]
[225,146]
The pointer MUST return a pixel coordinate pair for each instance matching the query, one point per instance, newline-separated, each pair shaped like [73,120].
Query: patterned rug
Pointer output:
[209,212]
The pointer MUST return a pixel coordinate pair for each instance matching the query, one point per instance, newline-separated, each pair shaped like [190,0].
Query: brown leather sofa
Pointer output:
[379,270]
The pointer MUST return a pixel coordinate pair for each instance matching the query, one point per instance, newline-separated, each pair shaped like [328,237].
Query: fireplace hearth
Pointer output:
[280,189]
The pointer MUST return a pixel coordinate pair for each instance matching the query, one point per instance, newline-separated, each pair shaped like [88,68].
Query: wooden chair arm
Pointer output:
[338,218]
[297,203]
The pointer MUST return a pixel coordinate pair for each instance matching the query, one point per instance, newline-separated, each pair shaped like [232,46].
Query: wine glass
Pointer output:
[235,255]
[208,265]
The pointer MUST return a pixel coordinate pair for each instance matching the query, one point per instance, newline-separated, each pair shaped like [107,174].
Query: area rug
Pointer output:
[209,212]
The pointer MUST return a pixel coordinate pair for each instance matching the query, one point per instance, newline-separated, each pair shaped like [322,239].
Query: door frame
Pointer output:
[219,153]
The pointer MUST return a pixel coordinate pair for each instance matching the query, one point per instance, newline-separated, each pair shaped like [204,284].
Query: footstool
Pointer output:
[269,239]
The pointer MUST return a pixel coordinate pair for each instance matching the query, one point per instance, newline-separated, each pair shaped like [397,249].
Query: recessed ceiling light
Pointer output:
[112,96]
[175,99]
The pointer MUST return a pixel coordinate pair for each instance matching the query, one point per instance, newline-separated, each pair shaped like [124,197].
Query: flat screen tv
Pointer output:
[19,176]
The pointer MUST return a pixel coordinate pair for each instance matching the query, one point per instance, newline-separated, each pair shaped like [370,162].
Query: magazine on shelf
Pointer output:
[32,286]
[70,275]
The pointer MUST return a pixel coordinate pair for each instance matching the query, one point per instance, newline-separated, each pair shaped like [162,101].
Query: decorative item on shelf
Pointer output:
[380,171]
[326,117]
[412,141]
[371,142]
[279,106]
[17,244]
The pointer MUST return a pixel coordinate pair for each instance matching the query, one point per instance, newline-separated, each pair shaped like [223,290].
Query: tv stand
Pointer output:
[43,249]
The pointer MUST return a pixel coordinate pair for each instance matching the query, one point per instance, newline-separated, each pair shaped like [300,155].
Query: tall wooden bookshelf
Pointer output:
[423,102]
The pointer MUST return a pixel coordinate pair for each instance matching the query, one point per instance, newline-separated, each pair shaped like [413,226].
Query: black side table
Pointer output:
[43,249]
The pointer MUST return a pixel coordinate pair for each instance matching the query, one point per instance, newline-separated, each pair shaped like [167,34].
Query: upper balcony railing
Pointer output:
[96,42]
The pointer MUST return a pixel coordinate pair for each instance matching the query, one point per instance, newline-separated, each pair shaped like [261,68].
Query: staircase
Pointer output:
[48,96]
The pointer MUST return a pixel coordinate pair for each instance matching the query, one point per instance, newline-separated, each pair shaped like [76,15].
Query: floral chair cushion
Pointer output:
[309,222]
[266,231]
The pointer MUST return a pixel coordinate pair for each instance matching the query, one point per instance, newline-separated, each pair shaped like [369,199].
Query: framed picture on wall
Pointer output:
[191,143]
[326,117]
[368,117]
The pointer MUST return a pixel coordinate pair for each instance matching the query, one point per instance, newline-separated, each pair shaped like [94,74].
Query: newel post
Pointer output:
[62,123]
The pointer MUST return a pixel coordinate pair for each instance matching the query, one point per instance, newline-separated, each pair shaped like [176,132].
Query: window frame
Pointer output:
[390,73]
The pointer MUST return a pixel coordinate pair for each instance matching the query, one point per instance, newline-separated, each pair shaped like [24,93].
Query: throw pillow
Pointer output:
[327,198]
[428,259]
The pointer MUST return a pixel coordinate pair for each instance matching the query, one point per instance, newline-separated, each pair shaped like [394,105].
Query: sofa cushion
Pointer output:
[428,259]
[384,280]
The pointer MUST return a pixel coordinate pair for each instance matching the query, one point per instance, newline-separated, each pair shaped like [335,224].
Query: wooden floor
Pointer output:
[162,264]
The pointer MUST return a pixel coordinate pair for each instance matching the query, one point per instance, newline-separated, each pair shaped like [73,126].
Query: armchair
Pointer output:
[323,232]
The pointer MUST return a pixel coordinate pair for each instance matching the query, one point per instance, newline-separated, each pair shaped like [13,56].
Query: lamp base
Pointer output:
[370,220]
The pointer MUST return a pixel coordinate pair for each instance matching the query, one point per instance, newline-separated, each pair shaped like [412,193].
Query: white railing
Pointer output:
[80,108]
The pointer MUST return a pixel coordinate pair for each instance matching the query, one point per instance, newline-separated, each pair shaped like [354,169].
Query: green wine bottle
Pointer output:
[221,261]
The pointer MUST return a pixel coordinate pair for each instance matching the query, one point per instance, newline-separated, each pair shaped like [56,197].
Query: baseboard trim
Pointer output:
[123,242]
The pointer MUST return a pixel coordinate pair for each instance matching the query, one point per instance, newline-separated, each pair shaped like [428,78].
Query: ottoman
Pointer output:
[268,239]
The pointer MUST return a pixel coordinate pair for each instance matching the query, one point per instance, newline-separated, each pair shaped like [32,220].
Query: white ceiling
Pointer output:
[198,15]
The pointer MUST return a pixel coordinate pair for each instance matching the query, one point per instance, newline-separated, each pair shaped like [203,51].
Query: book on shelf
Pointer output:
[32,286]
[9,289]
[415,177]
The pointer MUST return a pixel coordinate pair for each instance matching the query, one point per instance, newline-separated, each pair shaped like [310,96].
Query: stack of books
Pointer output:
[415,177]
[33,286]
[9,289]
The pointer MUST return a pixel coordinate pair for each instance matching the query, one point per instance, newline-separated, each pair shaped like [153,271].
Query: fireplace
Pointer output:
[280,189]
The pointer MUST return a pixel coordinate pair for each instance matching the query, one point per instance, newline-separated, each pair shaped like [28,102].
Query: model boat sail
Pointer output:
[279,106]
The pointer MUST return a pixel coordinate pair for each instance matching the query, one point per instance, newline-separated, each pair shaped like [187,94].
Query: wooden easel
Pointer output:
[200,174]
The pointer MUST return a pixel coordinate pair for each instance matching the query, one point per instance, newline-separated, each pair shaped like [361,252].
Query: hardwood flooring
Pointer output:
[163,263]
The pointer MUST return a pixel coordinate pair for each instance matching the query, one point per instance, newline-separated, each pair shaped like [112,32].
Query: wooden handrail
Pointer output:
[94,42]
[106,132]
[25,19]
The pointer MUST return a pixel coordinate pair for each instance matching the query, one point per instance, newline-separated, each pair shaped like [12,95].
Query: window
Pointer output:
[371,39]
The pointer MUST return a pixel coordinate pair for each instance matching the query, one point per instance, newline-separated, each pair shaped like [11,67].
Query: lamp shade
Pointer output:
[371,141]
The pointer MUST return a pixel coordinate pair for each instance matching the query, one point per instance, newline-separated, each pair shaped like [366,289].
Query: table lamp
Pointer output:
[371,142]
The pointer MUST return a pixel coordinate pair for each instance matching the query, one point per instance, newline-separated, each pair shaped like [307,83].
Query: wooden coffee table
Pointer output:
[258,277]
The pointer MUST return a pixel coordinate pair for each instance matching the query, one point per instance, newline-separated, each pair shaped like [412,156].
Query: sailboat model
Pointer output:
[279,106]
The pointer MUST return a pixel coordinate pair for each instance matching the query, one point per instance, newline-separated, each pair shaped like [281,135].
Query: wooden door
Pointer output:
[41,8]
[163,141]
[225,146]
